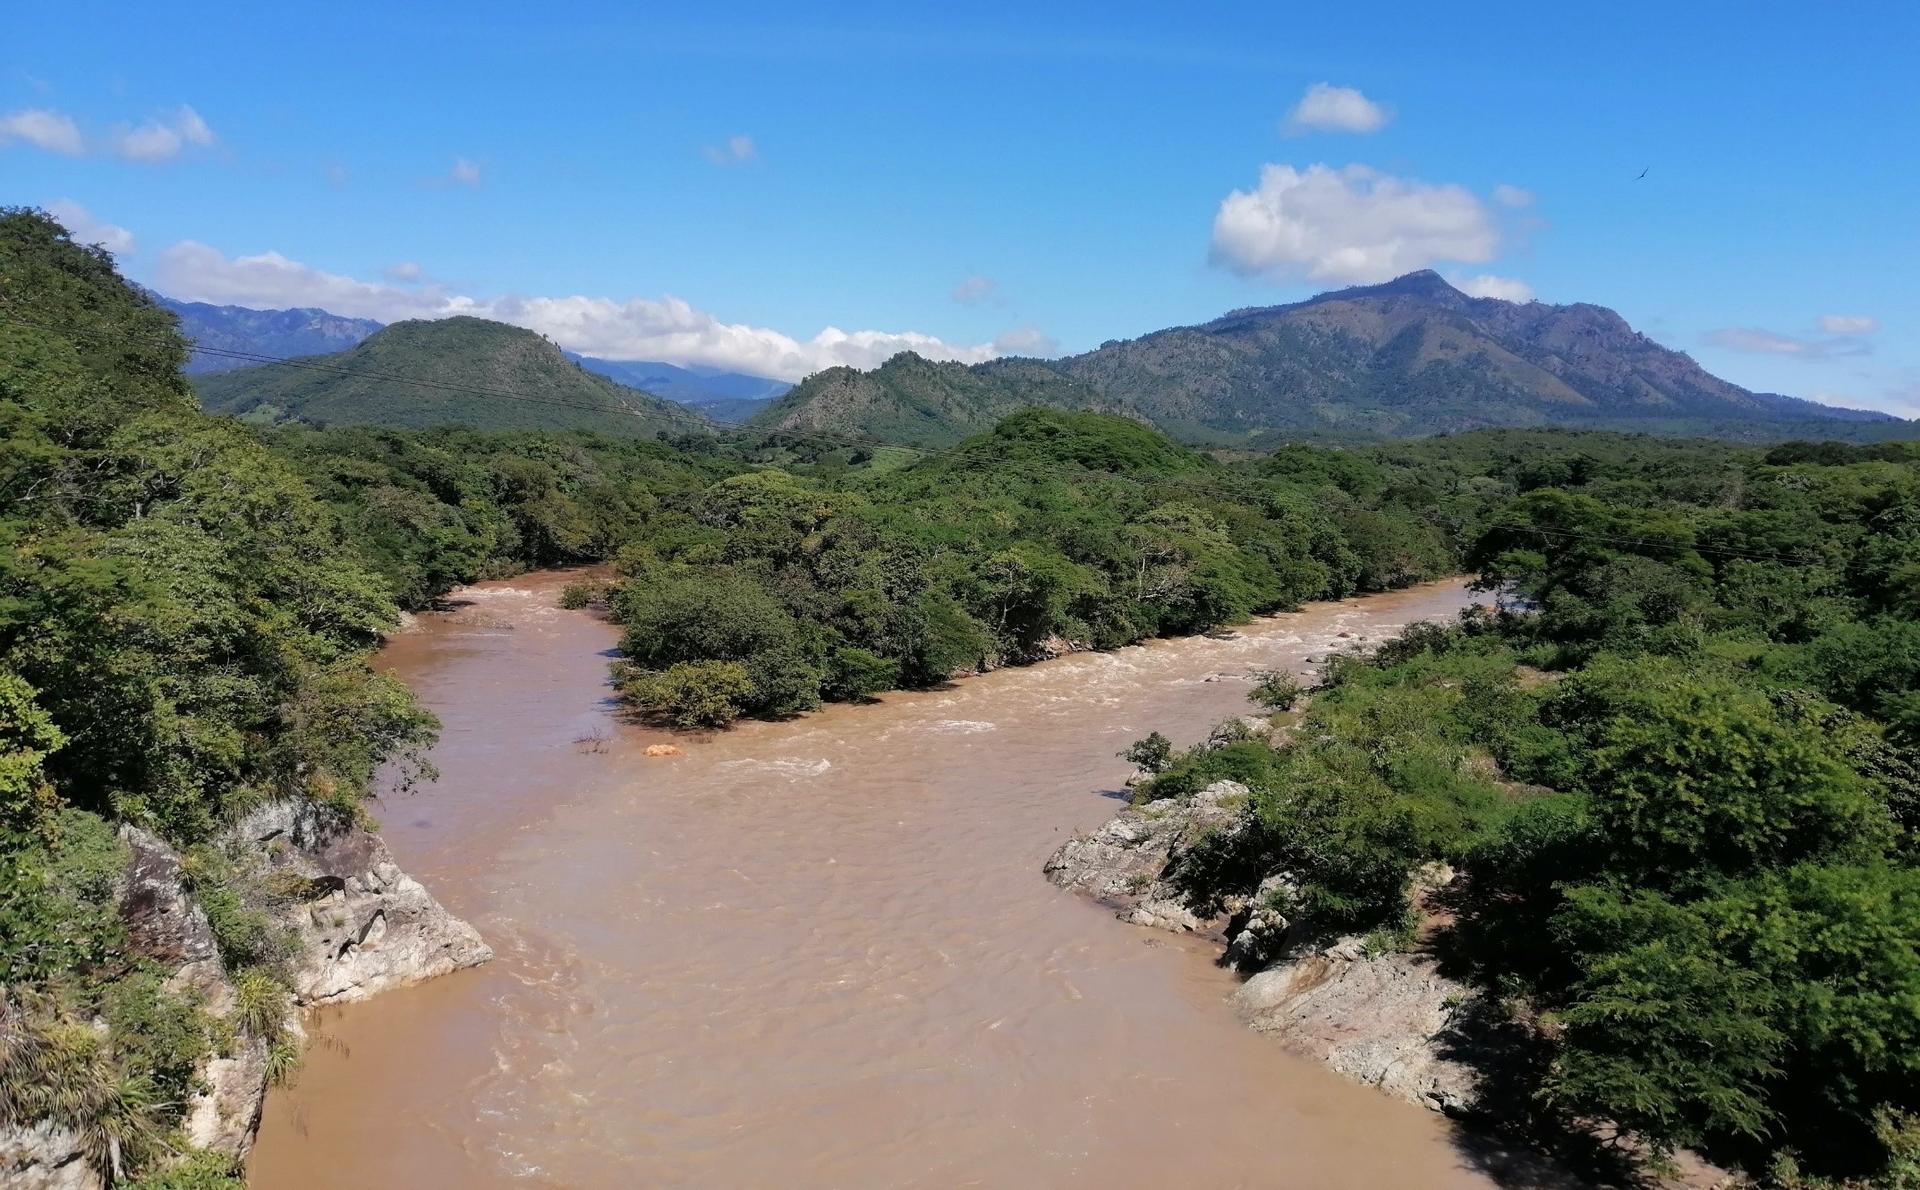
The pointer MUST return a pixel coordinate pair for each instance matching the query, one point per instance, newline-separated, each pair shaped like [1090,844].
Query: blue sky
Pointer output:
[720,184]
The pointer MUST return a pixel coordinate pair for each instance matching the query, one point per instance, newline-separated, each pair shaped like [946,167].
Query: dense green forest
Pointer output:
[1679,772]
[1677,769]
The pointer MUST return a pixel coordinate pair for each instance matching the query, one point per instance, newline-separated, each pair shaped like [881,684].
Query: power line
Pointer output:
[694,418]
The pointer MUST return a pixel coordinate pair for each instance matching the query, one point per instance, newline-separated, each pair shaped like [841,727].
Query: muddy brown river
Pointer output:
[819,952]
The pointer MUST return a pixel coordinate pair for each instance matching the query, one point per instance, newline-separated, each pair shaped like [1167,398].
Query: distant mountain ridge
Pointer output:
[300,331]
[720,394]
[1408,357]
[470,372]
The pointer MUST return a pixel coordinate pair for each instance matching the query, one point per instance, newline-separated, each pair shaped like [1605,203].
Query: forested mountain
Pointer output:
[1413,356]
[721,395]
[475,373]
[300,331]
[921,402]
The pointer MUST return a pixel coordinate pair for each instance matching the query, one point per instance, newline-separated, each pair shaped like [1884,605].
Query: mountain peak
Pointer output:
[1422,283]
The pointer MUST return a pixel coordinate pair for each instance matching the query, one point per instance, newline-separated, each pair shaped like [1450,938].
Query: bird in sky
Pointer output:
[1643,173]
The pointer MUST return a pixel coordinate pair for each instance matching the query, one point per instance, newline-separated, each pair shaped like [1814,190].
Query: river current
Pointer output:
[818,952]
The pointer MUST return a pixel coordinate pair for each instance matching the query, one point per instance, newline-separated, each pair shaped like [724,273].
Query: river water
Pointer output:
[818,952]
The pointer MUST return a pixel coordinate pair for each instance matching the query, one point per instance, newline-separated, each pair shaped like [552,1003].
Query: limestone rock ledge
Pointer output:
[1389,1021]
[371,926]
[360,927]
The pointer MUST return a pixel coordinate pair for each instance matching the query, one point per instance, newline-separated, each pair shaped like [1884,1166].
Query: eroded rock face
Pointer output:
[1383,1021]
[1388,1021]
[371,927]
[1133,862]
[361,927]
[44,1158]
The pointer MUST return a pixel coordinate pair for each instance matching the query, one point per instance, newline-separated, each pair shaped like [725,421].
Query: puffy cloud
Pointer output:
[1327,108]
[1026,340]
[197,272]
[1848,324]
[465,172]
[735,150]
[1512,196]
[666,328]
[86,229]
[162,140]
[975,290]
[1486,285]
[1348,225]
[159,139]
[406,270]
[1754,341]
[43,129]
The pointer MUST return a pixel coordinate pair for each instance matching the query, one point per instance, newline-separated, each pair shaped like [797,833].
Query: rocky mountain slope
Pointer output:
[1409,357]
[470,372]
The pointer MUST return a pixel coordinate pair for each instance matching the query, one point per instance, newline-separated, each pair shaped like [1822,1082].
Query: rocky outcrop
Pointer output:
[357,923]
[1383,1020]
[366,926]
[44,1158]
[1388,1020]
[1135,861]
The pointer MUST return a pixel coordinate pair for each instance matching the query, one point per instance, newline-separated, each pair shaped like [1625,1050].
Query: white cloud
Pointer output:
[975,290]
[86,229]
[1754,341]
[43,129]
[465,172]
[162,140]
[406,270]
[1848,324]
[735,151]
[1327,108]
[1486,285]
[666,328]
[1353,224]
[1026,340]
[1512,196]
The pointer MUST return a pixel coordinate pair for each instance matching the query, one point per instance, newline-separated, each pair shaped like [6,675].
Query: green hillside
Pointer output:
[485,375]
[918,401]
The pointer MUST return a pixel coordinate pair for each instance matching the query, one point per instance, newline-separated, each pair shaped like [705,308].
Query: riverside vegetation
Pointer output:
[1679,779]
[1693,760]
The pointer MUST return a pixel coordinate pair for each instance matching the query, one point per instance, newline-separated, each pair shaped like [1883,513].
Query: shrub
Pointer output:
[1150,755]
[854,673]
[1276,689]
[692,693]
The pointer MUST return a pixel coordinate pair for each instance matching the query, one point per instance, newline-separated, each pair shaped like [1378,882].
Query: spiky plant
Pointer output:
[260,1003]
